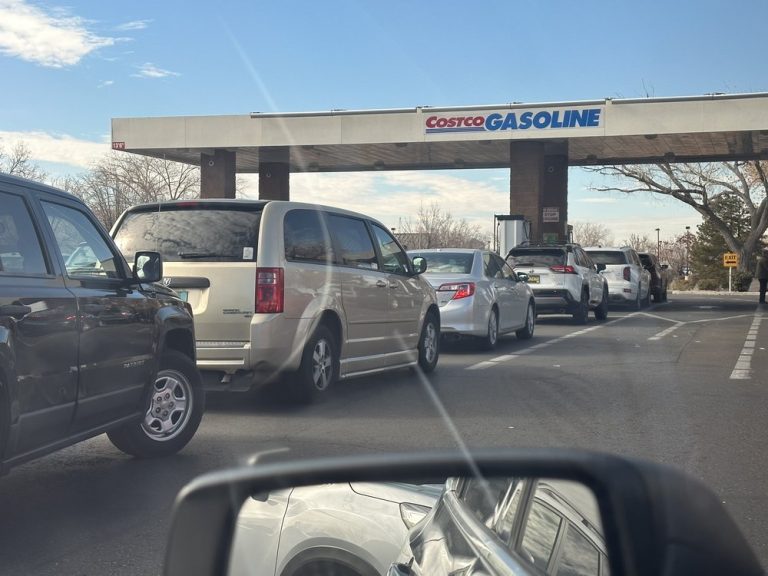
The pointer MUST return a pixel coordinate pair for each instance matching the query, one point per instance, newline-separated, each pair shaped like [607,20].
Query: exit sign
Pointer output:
[730,260]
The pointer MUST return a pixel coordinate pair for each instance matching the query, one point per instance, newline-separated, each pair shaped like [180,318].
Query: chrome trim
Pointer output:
[377,370]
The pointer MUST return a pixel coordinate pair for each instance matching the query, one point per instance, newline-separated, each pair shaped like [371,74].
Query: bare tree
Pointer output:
[640,243]
[18,162]
[435,228]
[591,234]
[120,180]
[704,186]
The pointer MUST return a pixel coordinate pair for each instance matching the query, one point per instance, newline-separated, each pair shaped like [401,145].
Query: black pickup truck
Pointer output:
[87,345]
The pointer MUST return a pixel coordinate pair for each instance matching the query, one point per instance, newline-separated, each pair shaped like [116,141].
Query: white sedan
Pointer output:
[478,294]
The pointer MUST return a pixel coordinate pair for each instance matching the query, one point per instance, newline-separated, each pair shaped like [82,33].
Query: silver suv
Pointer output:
[628,281]
[563,278]
[283,288]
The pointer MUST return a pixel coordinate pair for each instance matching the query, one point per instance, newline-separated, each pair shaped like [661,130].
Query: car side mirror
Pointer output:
[148,267]
[647,518]
[665,266]
[419,265]
[600,267]
[522,277]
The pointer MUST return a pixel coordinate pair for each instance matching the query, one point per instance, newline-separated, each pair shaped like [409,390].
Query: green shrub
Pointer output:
[741,281]
[708,284]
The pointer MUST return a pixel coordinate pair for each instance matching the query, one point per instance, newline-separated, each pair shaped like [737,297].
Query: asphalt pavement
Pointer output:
[683,383]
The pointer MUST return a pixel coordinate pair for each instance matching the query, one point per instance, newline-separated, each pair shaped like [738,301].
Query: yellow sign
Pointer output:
[731,260]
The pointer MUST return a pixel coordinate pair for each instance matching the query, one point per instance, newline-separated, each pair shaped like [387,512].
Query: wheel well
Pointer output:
[181,341]
[325,561]
[332,321]
[433,309]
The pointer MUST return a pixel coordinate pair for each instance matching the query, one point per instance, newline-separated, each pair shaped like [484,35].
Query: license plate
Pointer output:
[533,279]
[183,294]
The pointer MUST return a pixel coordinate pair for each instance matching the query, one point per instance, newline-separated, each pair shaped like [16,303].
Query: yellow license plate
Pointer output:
[533,279]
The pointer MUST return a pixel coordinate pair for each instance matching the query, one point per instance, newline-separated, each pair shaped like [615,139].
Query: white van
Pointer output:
[312,292]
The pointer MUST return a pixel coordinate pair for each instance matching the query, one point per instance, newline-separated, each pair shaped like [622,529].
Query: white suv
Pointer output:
[628,281]
[563,278]
[312,292]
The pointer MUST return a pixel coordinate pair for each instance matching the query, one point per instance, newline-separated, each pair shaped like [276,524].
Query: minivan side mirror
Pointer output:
[419,265]
[523,277]
[148,267]
[665,266]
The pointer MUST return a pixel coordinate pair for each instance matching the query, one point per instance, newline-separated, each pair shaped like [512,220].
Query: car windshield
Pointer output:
[209,216]
[608,257]
[446,262]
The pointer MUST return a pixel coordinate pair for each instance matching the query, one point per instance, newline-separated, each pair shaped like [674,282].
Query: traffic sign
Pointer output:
[731,260]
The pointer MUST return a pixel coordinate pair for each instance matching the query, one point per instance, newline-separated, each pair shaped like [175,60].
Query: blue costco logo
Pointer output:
[570,118]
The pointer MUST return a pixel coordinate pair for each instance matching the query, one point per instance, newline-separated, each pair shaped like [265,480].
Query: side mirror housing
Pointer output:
[665,266]
[522,277]
[419,265]
[600,267]
[148,267]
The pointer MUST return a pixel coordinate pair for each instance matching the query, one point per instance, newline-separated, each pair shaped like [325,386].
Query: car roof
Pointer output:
[38,186]
[449,250]
[609,248]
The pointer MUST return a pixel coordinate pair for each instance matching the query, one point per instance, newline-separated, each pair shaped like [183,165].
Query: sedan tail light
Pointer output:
[462,289]
[270,290]
[563,269]
[627,273]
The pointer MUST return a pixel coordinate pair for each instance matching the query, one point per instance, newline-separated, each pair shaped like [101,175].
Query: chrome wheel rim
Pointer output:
[430,342]
[322,364]
[170,406]
[493,329]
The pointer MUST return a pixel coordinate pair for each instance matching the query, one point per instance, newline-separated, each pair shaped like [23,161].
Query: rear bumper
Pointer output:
[621,292]
[554,301]
[465,317]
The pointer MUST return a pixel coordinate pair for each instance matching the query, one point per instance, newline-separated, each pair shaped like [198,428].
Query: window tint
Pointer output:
[353,242]
[183,234]
[504,270]
[541,534]
[580,557]
[532,257]
[608,257]
[485,497]
[446,262]
[306,236]
[85,251]
[394,260]
[492,268]
[20,251]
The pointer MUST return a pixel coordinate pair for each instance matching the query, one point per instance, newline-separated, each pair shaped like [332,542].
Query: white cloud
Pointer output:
[57,148]
[133,25]
[50,38]
[149,70]
[106,83]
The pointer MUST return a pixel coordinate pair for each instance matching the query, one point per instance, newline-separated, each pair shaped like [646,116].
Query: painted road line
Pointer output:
[481,365]
[743,367]
[679,323]
[666,331]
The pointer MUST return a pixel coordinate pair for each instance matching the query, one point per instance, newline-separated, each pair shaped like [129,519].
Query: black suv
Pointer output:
[86,345]
[659,278]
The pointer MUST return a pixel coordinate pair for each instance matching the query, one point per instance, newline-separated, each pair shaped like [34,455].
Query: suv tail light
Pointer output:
[270,289]
[462,289]
[563,269]
[627,273]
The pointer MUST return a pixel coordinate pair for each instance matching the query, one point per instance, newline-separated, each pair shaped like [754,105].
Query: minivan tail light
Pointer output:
[461,289]
[627,273]
[270,290]
[563,269]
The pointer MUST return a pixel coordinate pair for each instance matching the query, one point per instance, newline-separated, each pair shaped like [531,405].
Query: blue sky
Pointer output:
[69,67]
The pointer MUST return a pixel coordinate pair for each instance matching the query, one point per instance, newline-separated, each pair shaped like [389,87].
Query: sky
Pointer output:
[69,66]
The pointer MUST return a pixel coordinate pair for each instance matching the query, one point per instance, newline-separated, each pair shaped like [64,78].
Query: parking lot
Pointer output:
[682,383]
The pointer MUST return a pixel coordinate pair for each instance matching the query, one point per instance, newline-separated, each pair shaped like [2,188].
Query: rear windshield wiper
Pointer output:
[192,255]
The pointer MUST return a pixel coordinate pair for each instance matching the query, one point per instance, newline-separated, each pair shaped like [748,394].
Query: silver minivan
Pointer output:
[284,288]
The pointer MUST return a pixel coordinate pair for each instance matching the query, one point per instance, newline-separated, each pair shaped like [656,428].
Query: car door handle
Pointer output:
[393,284]
[381,284]
[15,310]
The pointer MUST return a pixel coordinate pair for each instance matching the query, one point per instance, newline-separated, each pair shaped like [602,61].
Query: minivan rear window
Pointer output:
[183,234]
[536,257]
[608,257]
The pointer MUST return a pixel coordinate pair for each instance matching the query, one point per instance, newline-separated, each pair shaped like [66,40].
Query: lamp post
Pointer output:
[658,244]
[687,251]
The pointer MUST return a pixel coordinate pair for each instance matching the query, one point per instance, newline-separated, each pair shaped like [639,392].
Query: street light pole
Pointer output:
[658,244]
[687,251]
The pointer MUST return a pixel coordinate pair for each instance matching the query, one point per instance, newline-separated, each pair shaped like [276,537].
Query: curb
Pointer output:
[713,293]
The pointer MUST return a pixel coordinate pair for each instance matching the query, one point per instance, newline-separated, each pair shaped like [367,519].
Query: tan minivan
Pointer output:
[284,288]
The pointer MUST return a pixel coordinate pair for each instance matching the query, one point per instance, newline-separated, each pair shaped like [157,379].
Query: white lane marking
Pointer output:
[679,323]
[666,331]
[743,368]
[499,359]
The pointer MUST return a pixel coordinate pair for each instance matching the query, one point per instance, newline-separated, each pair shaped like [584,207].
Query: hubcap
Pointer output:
[430,342]
[170,406]
[493,328]
[322,366]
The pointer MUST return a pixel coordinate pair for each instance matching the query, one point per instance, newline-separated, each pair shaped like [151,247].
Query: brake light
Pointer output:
[627,273]
[462,289]
[270,289]
[563,269]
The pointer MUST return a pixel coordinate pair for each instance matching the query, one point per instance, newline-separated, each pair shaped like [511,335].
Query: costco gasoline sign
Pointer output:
[519,120]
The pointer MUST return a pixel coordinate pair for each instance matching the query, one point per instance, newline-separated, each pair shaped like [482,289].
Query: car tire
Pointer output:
[491,338]
[429,343]
[637,304]
[167,427]
[581,316]
[601,312]
[319,368]
[526,332]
